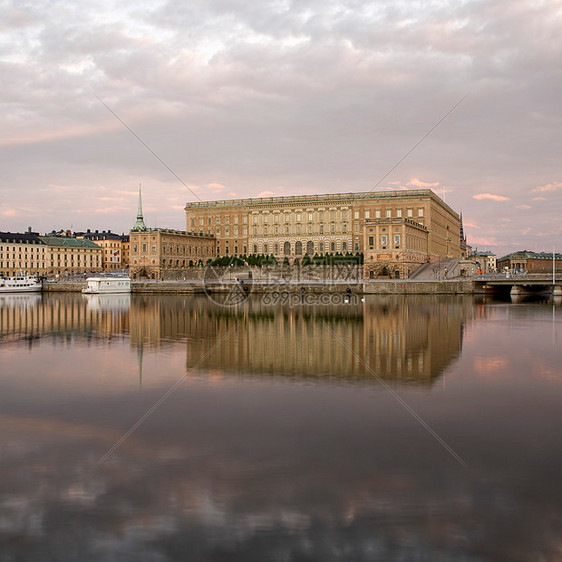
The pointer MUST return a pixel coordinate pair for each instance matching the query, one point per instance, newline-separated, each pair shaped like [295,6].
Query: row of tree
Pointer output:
[260,260]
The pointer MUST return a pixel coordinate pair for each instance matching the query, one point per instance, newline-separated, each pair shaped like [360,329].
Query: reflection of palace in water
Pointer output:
[395,338]
[391,338]
[409,340]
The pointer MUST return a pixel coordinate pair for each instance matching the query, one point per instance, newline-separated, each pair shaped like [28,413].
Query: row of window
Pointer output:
[178,249]
[289,249]
[384,241]
[24,265]
[277,217]
[25,248]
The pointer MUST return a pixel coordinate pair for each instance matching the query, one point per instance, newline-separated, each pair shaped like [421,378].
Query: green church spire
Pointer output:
[139,225]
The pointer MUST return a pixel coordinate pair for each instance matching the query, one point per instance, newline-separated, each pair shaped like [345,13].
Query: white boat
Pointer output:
[97,285]
[21,283]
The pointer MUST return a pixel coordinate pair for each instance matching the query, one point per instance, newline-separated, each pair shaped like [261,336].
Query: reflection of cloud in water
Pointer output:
[542,370]
[173,497]
[490,365]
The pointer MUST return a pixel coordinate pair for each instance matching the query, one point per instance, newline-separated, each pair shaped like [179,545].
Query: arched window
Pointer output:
[344,247]
[333,247]
[287,248]
[298,248]
[265,248]
[310,247]
[255,248]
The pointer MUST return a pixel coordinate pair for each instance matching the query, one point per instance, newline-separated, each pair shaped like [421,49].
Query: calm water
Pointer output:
[171,428]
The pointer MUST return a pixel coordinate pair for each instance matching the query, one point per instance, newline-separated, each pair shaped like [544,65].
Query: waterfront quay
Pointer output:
[244,280]
[188,287]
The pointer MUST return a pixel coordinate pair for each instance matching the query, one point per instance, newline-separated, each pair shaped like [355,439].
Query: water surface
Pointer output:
[172,428]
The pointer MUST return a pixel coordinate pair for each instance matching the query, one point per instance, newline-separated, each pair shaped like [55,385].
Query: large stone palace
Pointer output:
[396,231]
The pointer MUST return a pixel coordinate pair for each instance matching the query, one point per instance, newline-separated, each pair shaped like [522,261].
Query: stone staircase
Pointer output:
[435,271]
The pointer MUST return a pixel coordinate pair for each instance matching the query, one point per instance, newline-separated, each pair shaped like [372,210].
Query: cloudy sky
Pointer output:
[215,99]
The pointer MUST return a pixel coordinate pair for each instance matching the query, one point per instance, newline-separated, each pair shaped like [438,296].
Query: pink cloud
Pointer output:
[554,186]
[10,213]
[56,134]
[484,242]
[266,194]
[539,198]
[216,186]
[490,196]
[416,182]
[110,210]
[55,187]
[523,207]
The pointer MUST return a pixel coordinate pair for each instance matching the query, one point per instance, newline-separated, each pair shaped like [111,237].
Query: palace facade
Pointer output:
[396,231]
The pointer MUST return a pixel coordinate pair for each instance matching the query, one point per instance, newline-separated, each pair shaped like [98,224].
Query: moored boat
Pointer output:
[21,283]
[100,285]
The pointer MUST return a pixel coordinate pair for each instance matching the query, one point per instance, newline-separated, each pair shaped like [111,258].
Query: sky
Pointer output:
[219,99]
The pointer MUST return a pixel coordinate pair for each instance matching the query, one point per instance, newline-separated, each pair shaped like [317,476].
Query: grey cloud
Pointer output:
[292,96]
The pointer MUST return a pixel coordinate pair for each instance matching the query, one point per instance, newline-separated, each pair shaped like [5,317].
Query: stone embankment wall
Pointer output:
[464,287]
[64,287]
[259,287]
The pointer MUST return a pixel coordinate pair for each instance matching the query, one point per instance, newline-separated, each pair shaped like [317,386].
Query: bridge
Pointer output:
[519,283]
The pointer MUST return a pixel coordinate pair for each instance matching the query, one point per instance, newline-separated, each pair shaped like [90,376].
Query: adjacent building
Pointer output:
[484,261]
[115,255]
[396,231]
[47,255]
[68,255]
[531,262]
[165,253]
[22,252]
